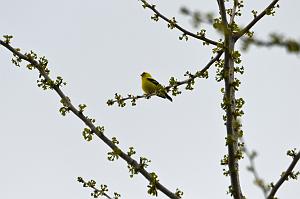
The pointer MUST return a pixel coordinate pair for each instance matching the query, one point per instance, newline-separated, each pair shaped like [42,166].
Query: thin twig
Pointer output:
[107,196]
[235,3]
[258,42]
[255,20]
[252,168]
[97,192]
[291,45]
[89,123]
[284,177]
[205,68]
[186,32]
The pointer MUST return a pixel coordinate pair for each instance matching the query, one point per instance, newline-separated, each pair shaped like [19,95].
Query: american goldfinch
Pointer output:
[151,86]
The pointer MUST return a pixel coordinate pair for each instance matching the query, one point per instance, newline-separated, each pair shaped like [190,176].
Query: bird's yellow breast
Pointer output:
[148,87]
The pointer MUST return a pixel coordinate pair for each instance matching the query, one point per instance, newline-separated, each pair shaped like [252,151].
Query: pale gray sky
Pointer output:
[100,48]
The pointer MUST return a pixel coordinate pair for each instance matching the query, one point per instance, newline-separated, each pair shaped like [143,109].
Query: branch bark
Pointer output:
[229,99]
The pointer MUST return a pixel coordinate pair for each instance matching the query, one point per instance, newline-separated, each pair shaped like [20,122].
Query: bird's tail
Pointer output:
[164,94]
[168,97]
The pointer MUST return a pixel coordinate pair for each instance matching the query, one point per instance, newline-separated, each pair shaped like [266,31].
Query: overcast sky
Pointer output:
[100,48]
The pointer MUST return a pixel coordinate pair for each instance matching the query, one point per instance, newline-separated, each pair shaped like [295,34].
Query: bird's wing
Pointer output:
[153,81]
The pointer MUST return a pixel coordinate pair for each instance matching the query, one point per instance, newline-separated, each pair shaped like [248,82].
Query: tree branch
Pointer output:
[230,106]
[284,177]
[255,20]
[213,60]
[222,11]
[252,168]
[198,17]
[175,25]
[291,45]
[88,122]
[235,4]
[169,87]
[96,191]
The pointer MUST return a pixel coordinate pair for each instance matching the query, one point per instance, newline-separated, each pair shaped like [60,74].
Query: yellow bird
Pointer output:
[151,86]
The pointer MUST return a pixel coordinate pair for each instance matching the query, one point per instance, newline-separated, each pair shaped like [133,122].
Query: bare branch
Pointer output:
[88,122]
[186,32]
[255,20]
[284,177]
